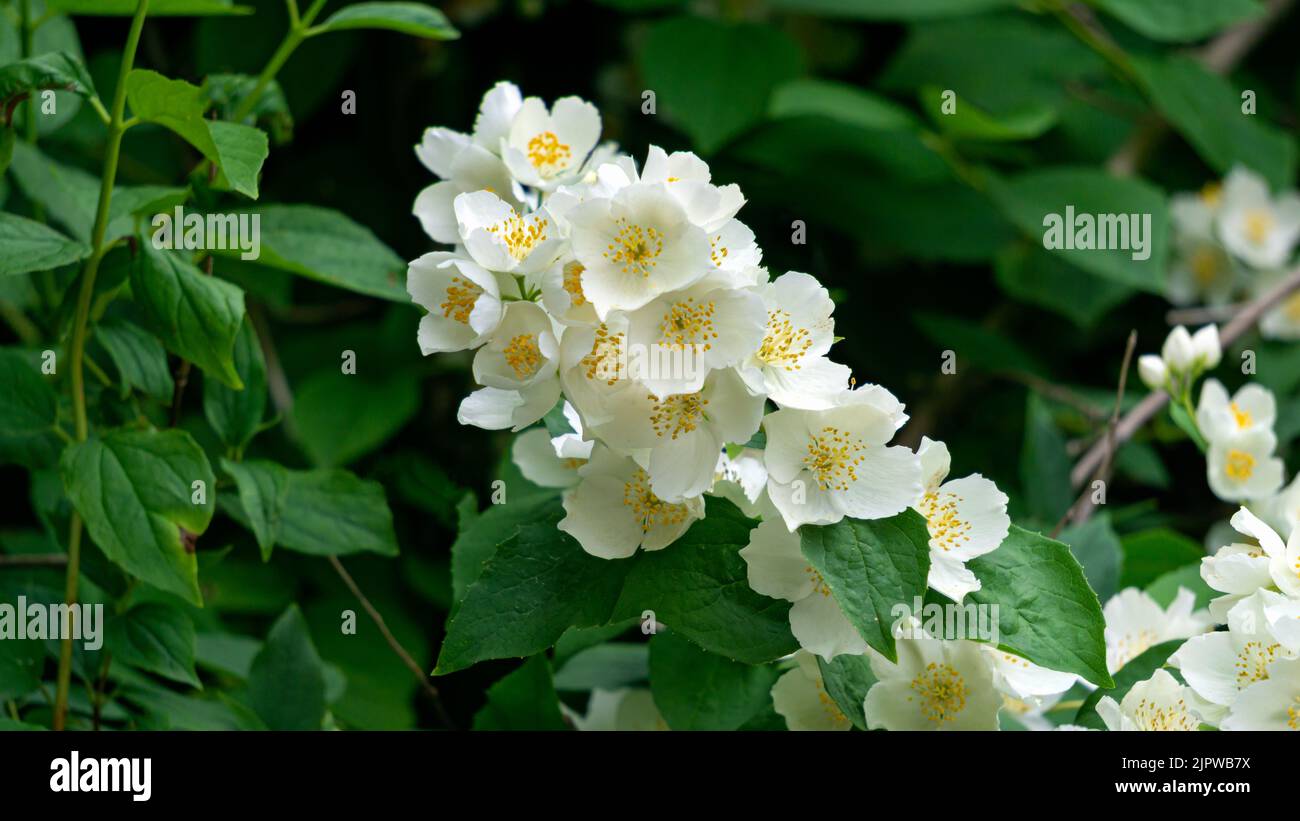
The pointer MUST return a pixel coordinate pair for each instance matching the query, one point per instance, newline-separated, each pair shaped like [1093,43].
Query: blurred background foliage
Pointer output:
[825,112]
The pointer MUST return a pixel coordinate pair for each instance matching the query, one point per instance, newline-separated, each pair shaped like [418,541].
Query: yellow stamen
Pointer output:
[833,457]
[675,415]
[523,356]
[688,324]
[942,692]
[461,296]
[649,510]
[520,234]
[635,249]
[573,283]
[783,344]
[547,154]
[1239,465]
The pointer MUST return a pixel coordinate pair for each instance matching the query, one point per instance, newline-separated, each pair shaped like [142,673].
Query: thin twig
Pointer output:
[1202,315]
[1082,507]
[396,646]
[1153,402]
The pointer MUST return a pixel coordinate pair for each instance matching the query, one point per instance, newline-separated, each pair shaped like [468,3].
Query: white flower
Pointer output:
[1159,703]
[1242,467]
[544,149]
[1154,372]
[936,685]
[635,246]
[629,709]
[1202,270]
[825,465]
[612,511]
[1283,560]
[1025,681]
[800,697]
[1270,704]
[742,480]
[1251,408]
[687,178]
[517,367]
[573,445]
[966,518]
[682,434]
[790,364]
[534,454]
[1252,225]
[681,336]
[776,567]
[594,368]
[1207,351]
[1178,352]
[463,300]
[1135,623]
[563,297]
[498,238]
[1283,510]
[1219,665]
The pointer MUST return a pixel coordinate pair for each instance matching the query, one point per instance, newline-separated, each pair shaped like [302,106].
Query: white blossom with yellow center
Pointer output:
[799,696]
[936,685]
[1221,417]
[966,518]
[463,301]
[1202,271]
[517,368]
[545,149]
[1158,704]
[776,567]
[613,511]
[827,464]
[1247,568]
[501,238]
[1135,623]
[1272,704]
[1242,467]
[1254,226]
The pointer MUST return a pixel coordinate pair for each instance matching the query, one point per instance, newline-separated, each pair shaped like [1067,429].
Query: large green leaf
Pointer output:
[28,405]
[523,700]
[21,663]
[1097,548]
[538,584]
[286,685]
[1027,272]
[341,417]
[139,357]
[1149,554]
[415,19]
[1180,21]
[698,690]
[847,680]
[713,79]
[1206,109]
[235,415]
[30,246]
[196,316]
[1046,611]
[319,512]
[134,490]
[479,534]
[1044,464]
[839,101]
[238,150]
[871,566]
[1032,198]
[157,638]
[327,246]
[699,588]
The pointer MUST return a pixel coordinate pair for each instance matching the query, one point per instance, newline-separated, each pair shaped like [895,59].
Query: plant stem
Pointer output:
[292,39]
[84,298]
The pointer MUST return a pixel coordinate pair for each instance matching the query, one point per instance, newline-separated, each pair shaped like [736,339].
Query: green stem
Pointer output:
[292,39]
[84,298]
[27,32]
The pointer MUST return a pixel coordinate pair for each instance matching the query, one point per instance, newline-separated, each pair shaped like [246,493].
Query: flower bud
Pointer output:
[1153,371]
[1178,351]
[1207,350]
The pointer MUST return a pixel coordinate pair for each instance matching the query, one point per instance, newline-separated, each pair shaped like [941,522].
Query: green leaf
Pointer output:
[713,79]
[1180,21]
[56,70]
[30,246]
[1031,274]
[329,247]
[318,512]
[140,359]
[698,690]
[1206,109]
[1150,554]
[21,663]
[605,666]
[1033,198]
[847,680]
[1139,669]
[157,8]
[415,19]
[1046,611]
[976,345]
[969,122]
[523,700]
[699,588]
[891,9]
[538,584]
[839,101]
[341,417]
[134,490]
[1098,549]
[1188,425]
[28,404]
[1044,464]
[479,534]
[286,684]
[7,138]
[227,92]
[871,566]
[238,150]
[235,415]
[1165,588]
[157,638]
[196,316]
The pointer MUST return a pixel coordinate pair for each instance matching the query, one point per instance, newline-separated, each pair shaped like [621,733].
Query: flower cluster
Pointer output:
[1232,240]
